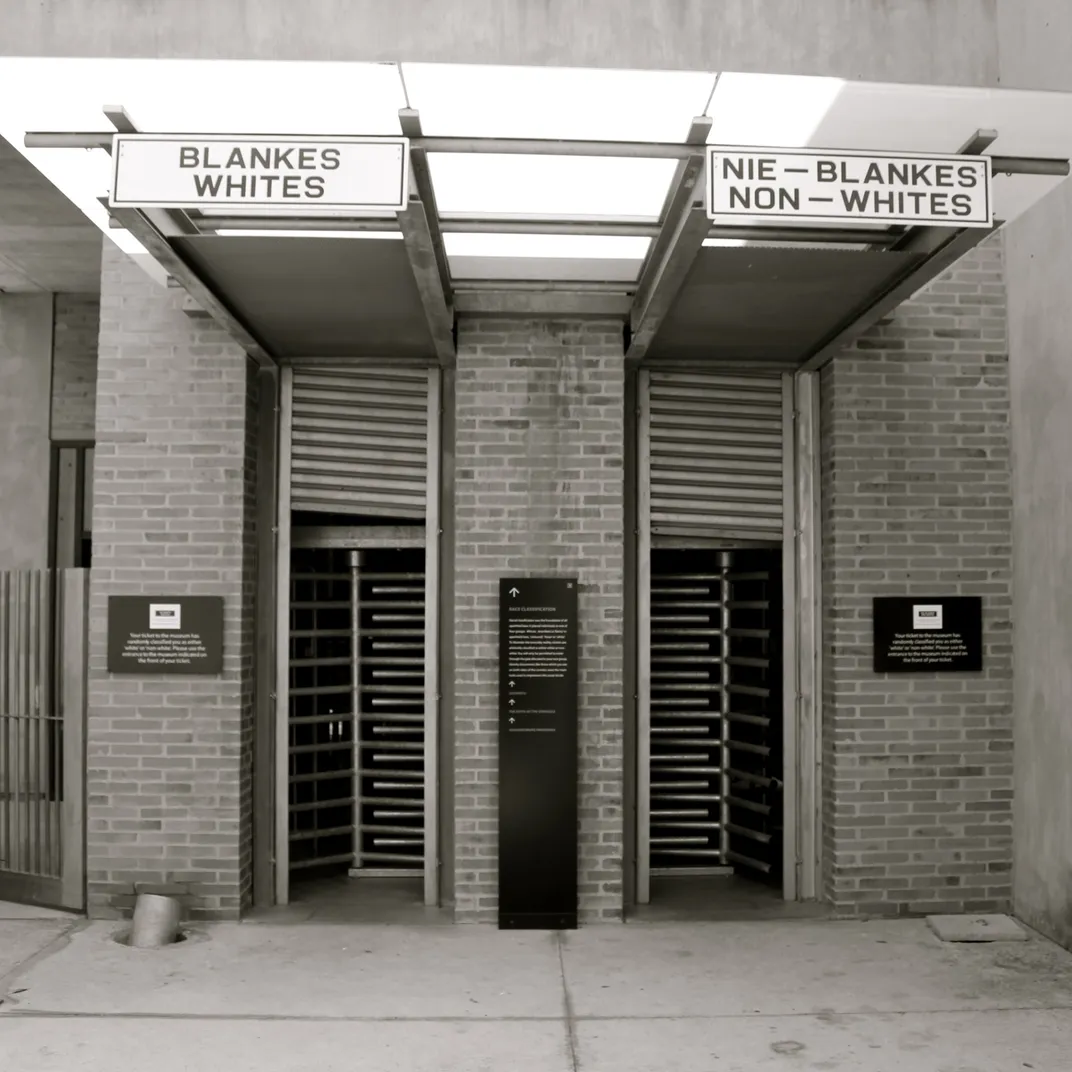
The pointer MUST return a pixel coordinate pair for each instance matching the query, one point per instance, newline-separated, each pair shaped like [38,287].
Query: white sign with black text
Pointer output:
[330,176]
[815,186]
[165,615]
[927,616]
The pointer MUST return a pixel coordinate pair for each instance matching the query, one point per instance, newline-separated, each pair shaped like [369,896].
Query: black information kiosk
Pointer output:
[538,753]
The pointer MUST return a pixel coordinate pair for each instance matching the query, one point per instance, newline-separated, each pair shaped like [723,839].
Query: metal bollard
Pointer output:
[156,921]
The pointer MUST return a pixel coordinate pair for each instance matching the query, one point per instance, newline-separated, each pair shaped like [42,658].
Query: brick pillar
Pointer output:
[539,490]
[169,778]
[74,367]
[917,500]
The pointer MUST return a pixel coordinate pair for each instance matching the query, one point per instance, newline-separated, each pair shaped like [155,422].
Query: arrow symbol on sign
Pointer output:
[514,592]
[512,721]
[512,702]
[511,684]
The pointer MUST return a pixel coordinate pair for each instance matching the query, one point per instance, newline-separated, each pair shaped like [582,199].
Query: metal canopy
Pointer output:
[322,296]
[688,292]
[723,313]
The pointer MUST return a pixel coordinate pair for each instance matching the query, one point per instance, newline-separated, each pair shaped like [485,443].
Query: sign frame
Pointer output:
[980,163]
[538,734]
[234,207]
[943,633]
[165,621]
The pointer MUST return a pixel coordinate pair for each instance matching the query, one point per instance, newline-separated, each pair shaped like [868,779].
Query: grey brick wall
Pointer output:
[167,782]
[916,500]
[539,490]
[74,367]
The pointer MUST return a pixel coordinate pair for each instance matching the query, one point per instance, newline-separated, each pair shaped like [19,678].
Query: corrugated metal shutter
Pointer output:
[359,441]
[715,449]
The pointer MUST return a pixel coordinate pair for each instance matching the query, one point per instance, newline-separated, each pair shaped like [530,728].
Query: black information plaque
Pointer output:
[537,753]
[151,635]
[939,634]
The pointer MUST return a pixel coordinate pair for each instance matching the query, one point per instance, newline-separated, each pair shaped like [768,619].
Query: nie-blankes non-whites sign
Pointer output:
[323,175]
[814,186]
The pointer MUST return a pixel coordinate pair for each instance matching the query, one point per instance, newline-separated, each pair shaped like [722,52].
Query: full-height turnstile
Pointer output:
[714,506]
[358,637]
[357,719]
[715,725]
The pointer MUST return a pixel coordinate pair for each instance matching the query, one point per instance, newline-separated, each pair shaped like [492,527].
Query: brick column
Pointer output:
[539,490]
[169,773]
[917,500]
[74,367]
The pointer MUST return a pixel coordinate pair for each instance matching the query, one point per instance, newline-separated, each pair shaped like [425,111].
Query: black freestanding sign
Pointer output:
[537,753]
[928,635]
[165,635]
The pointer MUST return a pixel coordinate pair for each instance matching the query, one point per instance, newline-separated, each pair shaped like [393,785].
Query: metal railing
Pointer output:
[42,725]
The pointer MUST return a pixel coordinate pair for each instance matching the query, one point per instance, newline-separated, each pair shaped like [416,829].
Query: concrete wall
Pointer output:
[168,757]
[1035,44]
[918,775]
[539,490]
[25,387]
[74,368]
[942,42]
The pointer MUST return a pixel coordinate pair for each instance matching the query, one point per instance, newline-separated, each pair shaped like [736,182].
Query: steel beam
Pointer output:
[1008,165]
[660,286]
[159,247]
[942,246]
[683,227]
[420,245]
[410,121]
[566,303]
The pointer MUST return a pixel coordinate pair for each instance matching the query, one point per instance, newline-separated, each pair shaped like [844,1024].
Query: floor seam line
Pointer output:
[567,1007]
[17,1013]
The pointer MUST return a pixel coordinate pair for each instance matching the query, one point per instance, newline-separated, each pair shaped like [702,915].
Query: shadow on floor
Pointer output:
[719,899]
[341,899]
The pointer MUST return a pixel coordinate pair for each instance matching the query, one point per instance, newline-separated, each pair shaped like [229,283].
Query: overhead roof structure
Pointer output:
[544,193]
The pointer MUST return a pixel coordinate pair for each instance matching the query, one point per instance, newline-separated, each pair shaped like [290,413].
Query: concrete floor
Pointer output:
[883,996]
[719,899]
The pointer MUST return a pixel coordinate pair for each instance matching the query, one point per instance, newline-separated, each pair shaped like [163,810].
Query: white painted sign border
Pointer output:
[299,207]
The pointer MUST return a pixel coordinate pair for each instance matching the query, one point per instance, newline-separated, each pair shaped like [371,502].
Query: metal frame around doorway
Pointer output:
[362,538]
[801,633]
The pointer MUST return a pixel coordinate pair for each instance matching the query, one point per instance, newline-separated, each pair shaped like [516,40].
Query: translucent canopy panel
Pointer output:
[205,96]
[822,113]
[600,247]
[556,102]
[776,110]
[549,185]
[183,96]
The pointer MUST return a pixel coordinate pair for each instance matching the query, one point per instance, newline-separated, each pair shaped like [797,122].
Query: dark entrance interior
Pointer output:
[716,761]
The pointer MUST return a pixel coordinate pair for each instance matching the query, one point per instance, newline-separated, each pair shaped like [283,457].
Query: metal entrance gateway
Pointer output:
[357,634]
[725,571]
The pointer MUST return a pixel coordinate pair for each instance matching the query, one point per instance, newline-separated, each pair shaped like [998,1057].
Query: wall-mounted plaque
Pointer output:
[537,753]
[165,635]
[928,634]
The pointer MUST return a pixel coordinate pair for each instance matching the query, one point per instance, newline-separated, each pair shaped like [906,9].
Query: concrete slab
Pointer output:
[22,939]
[11,910]
[306,970]
[107,1045]
[804,967]
[919,1042]
[977,929]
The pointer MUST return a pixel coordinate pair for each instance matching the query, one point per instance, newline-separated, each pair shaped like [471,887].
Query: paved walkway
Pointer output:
[717,997]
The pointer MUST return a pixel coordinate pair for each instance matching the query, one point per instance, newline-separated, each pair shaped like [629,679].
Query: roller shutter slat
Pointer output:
[716,446]
[359,442]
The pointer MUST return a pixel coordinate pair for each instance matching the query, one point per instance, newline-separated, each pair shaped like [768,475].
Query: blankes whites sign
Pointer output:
[814,186]
[324,175]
